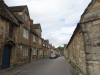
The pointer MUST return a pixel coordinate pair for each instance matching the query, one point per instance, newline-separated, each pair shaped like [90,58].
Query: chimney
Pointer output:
[31,21]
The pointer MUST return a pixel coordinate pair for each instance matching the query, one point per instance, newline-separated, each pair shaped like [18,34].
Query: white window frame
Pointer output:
[34,38]
[25,33]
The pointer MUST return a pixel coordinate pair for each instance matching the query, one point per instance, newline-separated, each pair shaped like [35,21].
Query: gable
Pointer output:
[19,9]
[37,26]
[92,12]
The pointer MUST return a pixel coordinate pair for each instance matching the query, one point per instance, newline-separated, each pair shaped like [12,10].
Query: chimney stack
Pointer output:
[31,21]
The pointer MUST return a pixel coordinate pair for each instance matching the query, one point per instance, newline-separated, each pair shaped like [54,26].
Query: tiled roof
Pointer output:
[36,26]
[47,41]
[4,11]
[18,8]
[33,31]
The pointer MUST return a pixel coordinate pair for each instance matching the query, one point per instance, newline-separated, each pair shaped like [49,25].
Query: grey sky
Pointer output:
[58,18]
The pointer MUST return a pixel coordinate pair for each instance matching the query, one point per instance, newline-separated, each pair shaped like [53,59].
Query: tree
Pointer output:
[61,49]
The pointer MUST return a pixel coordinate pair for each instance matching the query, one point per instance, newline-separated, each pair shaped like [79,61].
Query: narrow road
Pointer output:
[57,66]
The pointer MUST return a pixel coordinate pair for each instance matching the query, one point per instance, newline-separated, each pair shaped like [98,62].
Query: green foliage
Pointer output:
[60,48]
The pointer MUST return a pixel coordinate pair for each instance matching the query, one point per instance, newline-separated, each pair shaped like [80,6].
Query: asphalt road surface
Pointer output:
[57,66]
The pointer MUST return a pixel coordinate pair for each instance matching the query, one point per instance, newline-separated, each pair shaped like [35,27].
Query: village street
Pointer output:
[57,66]
[48,67]
[49,37]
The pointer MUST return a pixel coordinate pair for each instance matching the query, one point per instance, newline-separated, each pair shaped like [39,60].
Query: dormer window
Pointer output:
[40,41]
[34,38]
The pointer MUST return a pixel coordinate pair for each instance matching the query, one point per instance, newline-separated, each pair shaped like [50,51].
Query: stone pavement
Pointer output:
[57,66]
[18,69]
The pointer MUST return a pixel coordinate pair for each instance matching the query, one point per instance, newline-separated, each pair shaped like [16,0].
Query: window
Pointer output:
[27,51]
[34,51]
[25,33]
[11,27]
[33,38]
[20,13]
[39,41]
[23,50]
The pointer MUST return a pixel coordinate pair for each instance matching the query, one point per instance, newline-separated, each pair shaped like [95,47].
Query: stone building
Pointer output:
[20,39]
[90,23]
[23,38]
[46,48]
[83,48]
[34,42]
[38,30]
[8,26]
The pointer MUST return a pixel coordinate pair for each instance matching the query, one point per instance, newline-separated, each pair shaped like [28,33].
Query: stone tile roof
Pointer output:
[36,26]
[87,9]
[4,11]
[47,41]
[18,8]
[33,31]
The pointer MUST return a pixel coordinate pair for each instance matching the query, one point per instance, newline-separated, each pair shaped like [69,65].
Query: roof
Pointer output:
[47,41]
[18,8]
[4,11]
[33,31]
[87,9]
[36,26]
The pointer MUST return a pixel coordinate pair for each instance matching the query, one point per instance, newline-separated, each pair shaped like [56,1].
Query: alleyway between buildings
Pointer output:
[57,66]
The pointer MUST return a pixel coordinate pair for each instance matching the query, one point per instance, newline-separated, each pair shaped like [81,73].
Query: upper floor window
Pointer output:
[34,51]
[25,33]
[34,38]
[20,13]
[40,41]
[11,27]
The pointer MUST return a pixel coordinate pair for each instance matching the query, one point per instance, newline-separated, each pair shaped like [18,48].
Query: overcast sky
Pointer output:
[58,18]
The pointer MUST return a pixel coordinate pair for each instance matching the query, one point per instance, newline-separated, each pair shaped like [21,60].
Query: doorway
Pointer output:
[6,56]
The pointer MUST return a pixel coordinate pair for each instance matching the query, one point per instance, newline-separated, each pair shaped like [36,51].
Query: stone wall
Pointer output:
[76,53]
[91,28]
[2,28]
[84,47]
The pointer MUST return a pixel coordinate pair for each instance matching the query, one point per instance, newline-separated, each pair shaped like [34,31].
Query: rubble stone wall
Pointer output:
[77,54]
[84,48]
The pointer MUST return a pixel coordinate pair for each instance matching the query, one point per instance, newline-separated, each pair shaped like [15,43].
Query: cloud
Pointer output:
[58,18]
